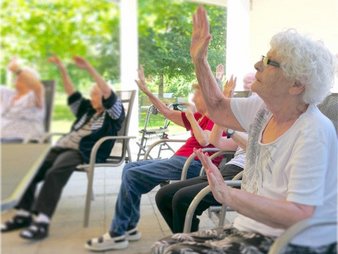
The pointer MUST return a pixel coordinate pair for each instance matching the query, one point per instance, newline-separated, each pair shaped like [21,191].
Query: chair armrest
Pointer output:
[197,199]
[284,239]
[217,152]
[153,145]
[96,147]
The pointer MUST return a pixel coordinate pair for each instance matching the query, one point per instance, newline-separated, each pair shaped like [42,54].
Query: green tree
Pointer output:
[164,42]
[34,29]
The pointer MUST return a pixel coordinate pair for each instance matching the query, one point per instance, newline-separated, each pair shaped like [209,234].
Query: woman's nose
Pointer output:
[258,66]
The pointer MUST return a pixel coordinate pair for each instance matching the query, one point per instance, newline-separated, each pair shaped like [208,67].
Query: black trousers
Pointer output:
[173,200]
[55,171]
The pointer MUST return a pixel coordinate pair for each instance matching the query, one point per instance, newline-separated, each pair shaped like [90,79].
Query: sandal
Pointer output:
[17,222]
[37,231]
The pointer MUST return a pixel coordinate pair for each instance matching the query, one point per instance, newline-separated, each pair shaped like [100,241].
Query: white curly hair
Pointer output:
[307,61]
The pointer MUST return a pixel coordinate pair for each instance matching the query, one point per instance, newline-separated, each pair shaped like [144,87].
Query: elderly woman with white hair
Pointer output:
[291,168]
[22,109]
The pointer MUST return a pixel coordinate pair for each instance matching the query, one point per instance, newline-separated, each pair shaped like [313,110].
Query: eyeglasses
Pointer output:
[266,61]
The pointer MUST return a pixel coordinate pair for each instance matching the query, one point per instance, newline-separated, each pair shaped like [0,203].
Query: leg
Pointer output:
[139,180]
[22,217]
[182,201]
[164,201]
[55,179]
[27,199]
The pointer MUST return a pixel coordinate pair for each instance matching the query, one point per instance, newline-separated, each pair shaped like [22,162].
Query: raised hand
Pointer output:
[200,35]
[141,82]
[216,182]
[81,62]
[55,60]
[229,86]
[219,72]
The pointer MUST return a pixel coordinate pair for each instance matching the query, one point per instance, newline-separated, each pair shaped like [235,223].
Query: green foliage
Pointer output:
[35,29]
[164,42]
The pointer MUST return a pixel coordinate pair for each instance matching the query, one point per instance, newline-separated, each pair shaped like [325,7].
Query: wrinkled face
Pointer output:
[270,80]
[96,98]
[199,101]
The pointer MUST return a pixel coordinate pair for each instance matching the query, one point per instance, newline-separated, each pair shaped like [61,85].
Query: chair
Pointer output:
[328,107]
[284,239]
[120,152]
[49,86]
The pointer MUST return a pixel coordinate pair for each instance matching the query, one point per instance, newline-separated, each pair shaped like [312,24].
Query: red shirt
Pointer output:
[188,148]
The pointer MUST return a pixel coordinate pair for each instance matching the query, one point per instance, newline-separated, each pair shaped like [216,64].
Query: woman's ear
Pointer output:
[296,88]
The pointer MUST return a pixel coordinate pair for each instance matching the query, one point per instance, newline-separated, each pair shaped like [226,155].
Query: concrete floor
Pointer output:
[67,234]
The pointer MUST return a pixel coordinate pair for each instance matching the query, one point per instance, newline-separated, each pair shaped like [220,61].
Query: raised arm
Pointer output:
[172,115]
[222,142]
[30,79]
[202,136]
[103,86]
[67,82]
[218,106]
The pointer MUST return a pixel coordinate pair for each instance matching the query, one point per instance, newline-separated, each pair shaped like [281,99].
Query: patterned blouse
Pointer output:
[21,118]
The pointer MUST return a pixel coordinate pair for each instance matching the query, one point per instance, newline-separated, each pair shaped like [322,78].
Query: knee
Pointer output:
[163,198]
[181,200]
[130,175]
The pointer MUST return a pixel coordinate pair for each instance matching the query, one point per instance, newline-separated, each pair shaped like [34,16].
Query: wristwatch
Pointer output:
[230,132]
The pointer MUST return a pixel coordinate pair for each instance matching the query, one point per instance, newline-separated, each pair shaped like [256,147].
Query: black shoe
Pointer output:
[36,231]
[17,222]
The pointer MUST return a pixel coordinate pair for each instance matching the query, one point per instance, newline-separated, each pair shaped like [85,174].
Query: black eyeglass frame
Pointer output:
[267,61]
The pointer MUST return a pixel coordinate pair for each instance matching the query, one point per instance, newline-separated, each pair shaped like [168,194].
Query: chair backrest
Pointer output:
[49,86]
[120,151]
[329,107]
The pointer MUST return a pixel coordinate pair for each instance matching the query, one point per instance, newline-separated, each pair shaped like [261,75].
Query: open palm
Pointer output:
[216,182]
[200,35]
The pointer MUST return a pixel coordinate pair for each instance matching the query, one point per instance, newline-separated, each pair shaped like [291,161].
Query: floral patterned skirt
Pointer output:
[228,240]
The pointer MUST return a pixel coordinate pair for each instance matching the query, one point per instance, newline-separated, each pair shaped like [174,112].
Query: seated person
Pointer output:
[23,108]
[173,200]
[100,116]
[290,172]
[141,177]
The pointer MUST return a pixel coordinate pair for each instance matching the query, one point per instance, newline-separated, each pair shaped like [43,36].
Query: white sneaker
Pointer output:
[106,242]
[133,235]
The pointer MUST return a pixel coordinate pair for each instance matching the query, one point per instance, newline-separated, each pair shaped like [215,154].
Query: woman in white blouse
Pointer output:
[22,108]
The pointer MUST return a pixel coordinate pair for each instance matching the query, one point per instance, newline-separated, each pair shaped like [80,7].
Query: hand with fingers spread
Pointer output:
[200,35]
[229,86]
[216,181]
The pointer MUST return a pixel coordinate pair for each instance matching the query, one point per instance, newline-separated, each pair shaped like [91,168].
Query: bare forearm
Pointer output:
[202,136]
[241,138]
[104,87]
[67,82]
[172,115]
[275,213]
[217,105]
